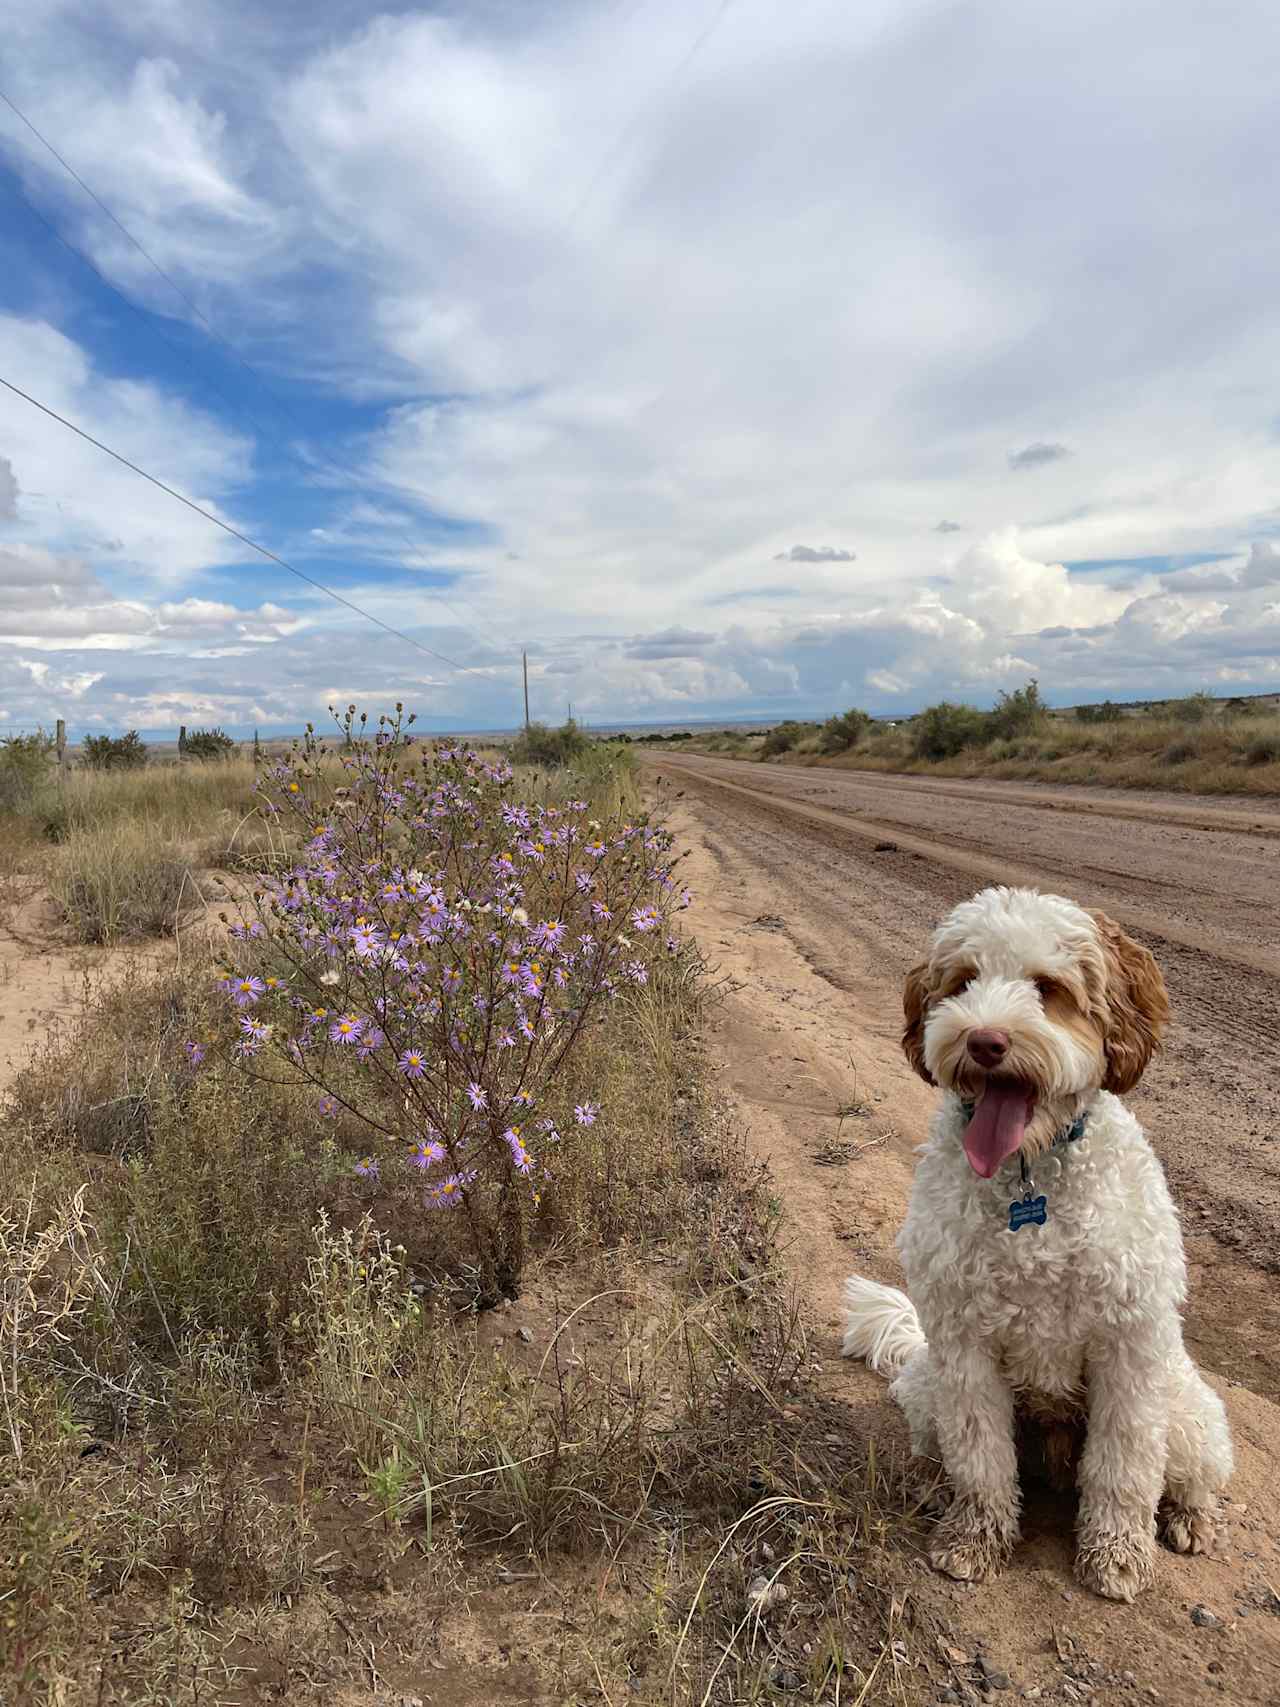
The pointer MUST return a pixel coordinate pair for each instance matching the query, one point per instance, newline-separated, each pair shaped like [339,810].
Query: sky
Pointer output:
[734,359]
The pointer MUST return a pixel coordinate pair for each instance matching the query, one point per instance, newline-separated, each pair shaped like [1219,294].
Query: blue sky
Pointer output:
[733,359]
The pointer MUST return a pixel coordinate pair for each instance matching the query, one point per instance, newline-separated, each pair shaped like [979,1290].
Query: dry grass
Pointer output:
[1222,754]
[254,1433]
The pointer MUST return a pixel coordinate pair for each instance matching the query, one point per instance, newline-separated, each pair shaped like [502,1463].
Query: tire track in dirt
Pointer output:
[813,930]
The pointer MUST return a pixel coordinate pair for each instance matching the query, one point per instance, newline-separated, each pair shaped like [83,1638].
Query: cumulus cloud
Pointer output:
[1260,569]
[1037,455]
[816,554]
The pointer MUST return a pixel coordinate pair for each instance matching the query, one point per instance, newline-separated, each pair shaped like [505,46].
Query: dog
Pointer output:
[1042,1250]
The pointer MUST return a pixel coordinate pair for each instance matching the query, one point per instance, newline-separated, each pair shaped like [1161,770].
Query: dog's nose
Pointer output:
[988,1048]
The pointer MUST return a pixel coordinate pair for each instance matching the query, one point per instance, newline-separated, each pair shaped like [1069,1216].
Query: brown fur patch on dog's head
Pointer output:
[1137,1006]
[916,993]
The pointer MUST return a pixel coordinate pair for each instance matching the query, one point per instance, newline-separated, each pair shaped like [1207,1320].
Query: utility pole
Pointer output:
[525,659]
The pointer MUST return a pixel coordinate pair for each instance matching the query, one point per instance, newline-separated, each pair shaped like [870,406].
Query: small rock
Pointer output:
[1030,1692]
[1204,1619]
[885,847]
[784,1678]
[766,1551]
[957,1656]
[950,1696]
[763,1596]
[525,1335]
[992,1676]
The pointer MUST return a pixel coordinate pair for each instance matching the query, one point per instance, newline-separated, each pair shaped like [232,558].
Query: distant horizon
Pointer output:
[157,737]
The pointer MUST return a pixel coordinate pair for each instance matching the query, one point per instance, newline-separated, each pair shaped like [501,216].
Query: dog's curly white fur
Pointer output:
[1038,1012]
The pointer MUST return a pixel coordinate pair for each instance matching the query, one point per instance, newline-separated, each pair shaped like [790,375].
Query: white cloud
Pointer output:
[86,502]
[8,491]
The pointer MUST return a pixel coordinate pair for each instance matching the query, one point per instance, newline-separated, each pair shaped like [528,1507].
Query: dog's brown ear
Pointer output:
[1138,1004]
[915,1005]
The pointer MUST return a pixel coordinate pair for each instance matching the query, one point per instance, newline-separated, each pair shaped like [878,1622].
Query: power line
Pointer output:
[463,669]
[212,331]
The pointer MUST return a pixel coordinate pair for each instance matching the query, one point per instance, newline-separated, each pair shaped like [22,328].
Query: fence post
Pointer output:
[182,741]
[60,741]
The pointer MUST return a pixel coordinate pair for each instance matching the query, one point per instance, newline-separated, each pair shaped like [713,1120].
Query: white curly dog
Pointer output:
[1042,1250]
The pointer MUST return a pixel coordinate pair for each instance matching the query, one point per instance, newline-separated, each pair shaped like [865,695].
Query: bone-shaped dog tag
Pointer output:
[1031,1211]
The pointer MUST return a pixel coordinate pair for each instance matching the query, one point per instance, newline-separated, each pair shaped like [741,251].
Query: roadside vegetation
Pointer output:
[385,1300]
[1198,744]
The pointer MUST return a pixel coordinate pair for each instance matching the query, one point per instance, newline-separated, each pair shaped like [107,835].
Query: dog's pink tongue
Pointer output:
[996,1130]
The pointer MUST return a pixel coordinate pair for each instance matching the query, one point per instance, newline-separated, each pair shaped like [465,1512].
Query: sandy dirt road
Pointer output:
[814,891]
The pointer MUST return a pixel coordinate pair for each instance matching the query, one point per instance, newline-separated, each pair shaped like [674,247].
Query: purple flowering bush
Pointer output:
[432,965]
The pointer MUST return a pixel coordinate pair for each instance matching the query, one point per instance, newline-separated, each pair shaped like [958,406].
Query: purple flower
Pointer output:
[637,971]
[645,918]
[413,1063]
[194,1053]
[447,1193]
[368,1168]
[346,1029]
[246,990]
[549,934]
[328,1107]
[365,941]
[476,1096]
[585,1113]
[425,1153]
[371,1042]
[521,1158]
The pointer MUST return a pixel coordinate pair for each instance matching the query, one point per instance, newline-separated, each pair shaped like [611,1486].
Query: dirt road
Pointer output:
[814,891]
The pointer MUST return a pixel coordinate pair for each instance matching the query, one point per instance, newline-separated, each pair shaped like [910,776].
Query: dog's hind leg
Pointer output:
[1198,1463]
[912,1391]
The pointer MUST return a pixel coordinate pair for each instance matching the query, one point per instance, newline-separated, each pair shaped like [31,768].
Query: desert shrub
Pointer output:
[840,733]
[120,881]
[1178,753]
[435,959]
[1194,708]
[26,767]
[1022,712]
[209,744]
[114,752]
[1263,750]
[551,748]
[1105,712]
[943,730]
[783,737]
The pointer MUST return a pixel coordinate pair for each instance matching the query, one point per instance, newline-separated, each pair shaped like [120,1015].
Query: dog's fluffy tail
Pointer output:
[881,1325]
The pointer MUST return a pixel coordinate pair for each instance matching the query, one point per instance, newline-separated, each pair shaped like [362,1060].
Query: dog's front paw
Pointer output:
[971,1545]
[1118,1566]
[1188,1529]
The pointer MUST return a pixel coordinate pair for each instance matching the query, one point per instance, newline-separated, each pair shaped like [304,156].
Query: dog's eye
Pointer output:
[1045,986]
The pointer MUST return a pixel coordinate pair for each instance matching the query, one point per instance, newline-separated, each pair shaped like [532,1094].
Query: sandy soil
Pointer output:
[814,892]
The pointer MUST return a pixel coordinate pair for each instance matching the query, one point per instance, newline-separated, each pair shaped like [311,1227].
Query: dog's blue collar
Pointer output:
[1069,1134]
